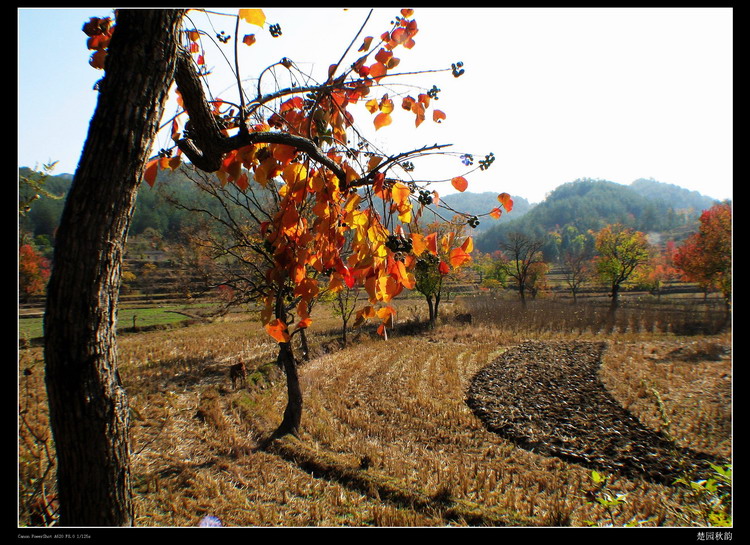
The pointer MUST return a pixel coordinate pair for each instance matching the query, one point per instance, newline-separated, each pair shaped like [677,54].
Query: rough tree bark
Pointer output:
[88,406]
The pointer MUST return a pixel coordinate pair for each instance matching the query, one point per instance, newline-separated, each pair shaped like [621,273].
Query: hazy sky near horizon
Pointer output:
[556,94]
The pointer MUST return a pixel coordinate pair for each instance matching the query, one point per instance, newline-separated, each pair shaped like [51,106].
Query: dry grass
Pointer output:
[387,438]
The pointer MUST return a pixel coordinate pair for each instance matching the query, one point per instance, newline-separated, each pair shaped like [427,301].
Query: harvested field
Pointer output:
[548,398]
[388,437]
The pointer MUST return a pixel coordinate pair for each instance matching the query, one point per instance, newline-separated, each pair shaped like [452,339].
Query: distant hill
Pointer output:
[671,195]
[645,205]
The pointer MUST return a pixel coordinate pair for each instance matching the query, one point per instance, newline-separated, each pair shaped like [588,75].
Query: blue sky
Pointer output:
[555,94]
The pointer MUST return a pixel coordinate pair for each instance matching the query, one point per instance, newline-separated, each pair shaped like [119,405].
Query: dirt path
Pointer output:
[547,397]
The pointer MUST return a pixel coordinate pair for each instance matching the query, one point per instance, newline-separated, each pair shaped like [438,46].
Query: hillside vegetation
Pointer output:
[645,205]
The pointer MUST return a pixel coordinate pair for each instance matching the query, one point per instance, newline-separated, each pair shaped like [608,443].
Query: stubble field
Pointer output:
[389,437]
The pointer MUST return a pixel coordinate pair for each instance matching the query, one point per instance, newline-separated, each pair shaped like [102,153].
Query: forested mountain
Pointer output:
[154,211]
[645,205]
[152,207]
[586,204]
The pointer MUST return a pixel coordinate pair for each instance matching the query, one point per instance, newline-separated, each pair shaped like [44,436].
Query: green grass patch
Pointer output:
[33,328]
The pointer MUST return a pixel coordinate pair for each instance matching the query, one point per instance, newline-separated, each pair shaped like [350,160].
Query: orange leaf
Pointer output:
[383,56]
[400,193]
[242,182]
[366,44]
[496,213]
[438,116]
[431,241]
[152,167]
[444,268]
[506,201]
[468,245]
[377,71]
[373,162]
[382,120]
[283,153]
[278,330]
[249,39]
[406,13]
[399,36]
[458,257]
[418,243]
[460,183]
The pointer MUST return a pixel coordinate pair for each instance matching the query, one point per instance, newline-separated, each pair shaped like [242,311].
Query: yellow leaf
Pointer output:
[386,104]
[254,16]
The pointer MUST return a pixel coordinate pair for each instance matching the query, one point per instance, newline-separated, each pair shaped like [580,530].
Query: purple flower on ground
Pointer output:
[209,521]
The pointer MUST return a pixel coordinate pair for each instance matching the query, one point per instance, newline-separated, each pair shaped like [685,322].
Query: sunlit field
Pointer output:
[388,438]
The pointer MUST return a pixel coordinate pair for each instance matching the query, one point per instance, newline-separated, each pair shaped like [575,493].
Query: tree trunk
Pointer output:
[88,405]
[431,309]
[293,412]
[615,303]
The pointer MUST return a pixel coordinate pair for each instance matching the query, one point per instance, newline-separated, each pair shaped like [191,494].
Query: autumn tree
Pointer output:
[33,272]
[302,137]
[706,256]
[522,256]
[437,255]
[660,268]
[620,252]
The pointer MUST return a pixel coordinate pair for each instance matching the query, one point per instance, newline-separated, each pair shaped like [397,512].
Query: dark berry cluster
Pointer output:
[275,30]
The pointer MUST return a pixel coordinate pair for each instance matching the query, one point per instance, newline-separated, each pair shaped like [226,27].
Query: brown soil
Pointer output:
[547,397]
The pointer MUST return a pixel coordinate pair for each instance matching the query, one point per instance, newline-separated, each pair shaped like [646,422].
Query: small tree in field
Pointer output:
[437,256]
[620,252]
[523,259]
[301,138]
